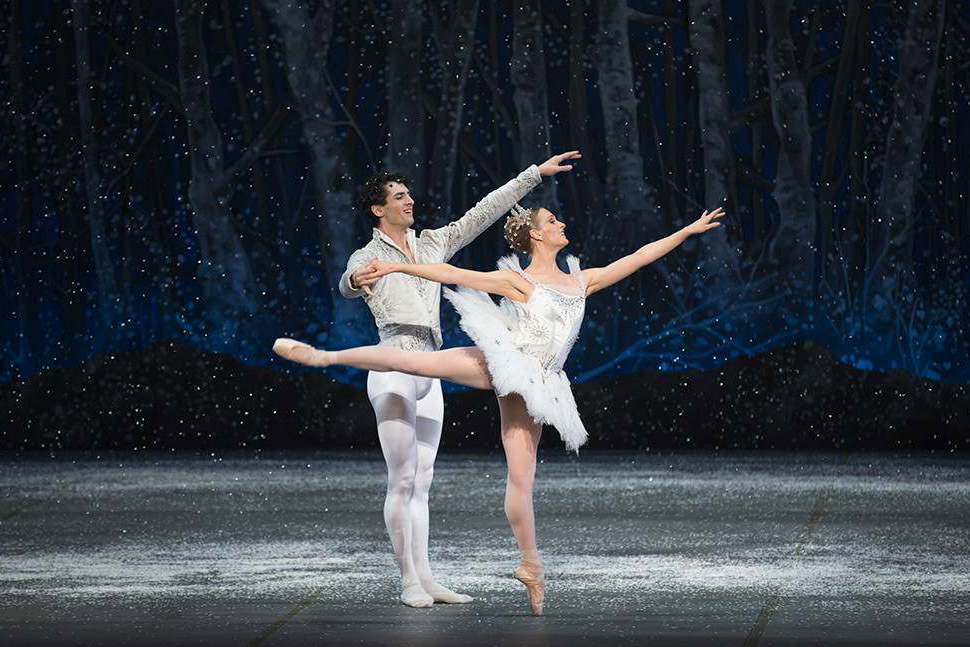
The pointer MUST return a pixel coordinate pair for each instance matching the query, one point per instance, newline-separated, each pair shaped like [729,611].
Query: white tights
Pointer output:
[520,439]
[409,412]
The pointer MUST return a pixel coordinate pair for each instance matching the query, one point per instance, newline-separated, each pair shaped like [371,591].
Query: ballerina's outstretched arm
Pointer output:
[504,283]
[598,278]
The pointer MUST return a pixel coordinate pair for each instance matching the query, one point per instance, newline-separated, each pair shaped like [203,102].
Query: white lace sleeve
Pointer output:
[455,235]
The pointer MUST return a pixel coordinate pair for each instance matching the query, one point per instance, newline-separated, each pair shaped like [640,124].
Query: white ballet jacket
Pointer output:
[526,345]
[406,308]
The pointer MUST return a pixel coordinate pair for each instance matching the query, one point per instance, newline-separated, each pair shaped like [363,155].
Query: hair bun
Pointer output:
[516,230]
[511,229]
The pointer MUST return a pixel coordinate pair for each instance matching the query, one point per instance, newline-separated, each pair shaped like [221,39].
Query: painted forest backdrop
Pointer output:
[184,170]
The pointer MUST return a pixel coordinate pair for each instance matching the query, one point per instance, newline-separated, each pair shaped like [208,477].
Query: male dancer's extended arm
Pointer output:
[598,278]
[502,282]
[356,261]
[455,235]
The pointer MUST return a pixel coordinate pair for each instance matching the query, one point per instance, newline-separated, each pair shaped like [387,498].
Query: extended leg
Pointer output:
[464,366]
[520,438]
[430,412]
[392,396]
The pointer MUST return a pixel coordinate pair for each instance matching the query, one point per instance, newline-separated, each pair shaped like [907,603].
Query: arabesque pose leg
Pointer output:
[465,366]
[520,434]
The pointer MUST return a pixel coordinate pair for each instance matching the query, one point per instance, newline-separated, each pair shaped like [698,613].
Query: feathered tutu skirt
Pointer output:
[547,394]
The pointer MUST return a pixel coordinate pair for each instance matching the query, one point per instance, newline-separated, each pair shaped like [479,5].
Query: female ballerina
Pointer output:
[521,346]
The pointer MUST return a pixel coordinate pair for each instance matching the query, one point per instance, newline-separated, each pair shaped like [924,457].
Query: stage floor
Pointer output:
[678,548]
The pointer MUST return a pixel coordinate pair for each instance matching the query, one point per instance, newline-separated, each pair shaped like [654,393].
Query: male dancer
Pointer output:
[410,410]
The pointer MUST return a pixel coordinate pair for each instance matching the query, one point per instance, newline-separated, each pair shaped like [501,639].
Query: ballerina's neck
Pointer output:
[542,265]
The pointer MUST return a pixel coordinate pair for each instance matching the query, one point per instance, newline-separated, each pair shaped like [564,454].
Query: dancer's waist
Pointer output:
[408,337]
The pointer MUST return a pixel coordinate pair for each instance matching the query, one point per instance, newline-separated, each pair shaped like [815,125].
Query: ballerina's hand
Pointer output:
[705,222]
[373,271]
[555,164]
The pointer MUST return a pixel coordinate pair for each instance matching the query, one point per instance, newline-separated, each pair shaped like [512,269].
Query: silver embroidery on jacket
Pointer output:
[402,299]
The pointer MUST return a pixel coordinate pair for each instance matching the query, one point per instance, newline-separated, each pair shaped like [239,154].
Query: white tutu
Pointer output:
[516,363]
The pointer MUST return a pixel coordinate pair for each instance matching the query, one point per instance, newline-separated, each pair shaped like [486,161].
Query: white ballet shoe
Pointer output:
[416,597]
[297,351]
[445,595]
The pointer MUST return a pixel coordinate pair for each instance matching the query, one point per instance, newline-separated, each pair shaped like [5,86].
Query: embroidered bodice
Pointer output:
[549,322]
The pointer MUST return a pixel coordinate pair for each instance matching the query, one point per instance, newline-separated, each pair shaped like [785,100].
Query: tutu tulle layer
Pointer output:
[547,394]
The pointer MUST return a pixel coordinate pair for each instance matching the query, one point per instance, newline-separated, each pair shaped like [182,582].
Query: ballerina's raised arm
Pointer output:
[598,278]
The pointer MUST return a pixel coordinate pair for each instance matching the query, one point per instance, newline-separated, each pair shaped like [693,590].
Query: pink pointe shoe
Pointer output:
[535,586]
[297,351]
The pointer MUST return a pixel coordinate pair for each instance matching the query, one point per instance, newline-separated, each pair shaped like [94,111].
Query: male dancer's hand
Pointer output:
[555,164]
[374,270]
[363,278]
[705,222]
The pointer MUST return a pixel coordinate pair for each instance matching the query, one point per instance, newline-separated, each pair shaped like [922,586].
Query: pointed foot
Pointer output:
[297,351]
[535,587]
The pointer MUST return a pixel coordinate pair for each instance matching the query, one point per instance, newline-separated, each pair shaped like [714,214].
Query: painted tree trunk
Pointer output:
[528,74]
[405,150]
[859,154]
[306,43]
[756,81]
[242,97]
[70,227]
[632,208]
[671,151]
[953,187]
[103,267]
[455,38]
[262,49]
[584,179]
[632,215]
[26,315]
[794,239]
[893,230]
[840,103]
[289,216]
[707,43]
[225,273]
[159,243]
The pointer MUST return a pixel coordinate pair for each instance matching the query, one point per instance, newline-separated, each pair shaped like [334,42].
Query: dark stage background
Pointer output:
[176,187]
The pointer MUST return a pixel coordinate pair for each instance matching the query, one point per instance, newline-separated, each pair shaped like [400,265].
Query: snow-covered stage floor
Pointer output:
[290,548]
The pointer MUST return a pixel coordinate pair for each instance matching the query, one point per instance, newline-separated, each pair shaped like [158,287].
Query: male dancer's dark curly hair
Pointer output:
[374,191]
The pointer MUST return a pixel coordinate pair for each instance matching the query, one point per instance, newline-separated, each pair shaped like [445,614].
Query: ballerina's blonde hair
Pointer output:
[517,227]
